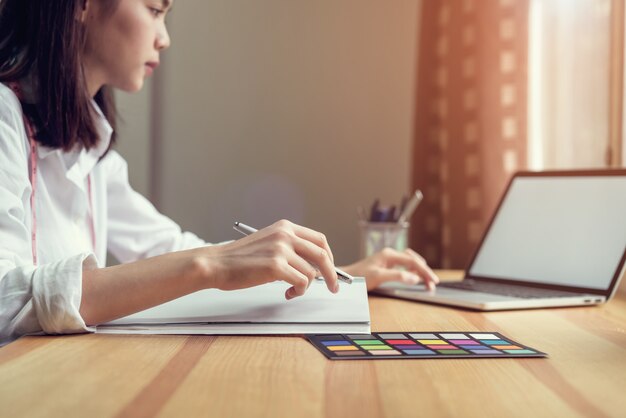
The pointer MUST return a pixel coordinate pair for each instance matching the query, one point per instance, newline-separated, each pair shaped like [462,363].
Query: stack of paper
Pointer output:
[257,310]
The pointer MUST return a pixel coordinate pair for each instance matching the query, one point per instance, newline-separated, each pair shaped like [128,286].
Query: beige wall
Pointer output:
[276,109]
[133,131]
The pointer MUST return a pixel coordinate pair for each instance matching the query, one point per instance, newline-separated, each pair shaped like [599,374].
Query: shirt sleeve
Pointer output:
[33,299]
[136,230]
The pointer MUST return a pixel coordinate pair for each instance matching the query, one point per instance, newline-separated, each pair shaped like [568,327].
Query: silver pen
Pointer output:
[247,230]
[413,203]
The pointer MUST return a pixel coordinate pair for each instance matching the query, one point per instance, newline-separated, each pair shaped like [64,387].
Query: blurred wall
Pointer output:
[275,109]
[134,135]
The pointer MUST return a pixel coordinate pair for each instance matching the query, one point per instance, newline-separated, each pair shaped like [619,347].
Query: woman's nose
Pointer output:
[162,39]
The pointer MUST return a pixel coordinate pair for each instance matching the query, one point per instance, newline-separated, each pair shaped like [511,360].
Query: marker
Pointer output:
[247,230]
[411,206]
[374,212]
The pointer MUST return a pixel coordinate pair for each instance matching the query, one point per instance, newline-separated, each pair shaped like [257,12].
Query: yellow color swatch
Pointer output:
[435,342]
[342,348]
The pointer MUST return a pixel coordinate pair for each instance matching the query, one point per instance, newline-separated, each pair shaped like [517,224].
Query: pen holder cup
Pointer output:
[378,235]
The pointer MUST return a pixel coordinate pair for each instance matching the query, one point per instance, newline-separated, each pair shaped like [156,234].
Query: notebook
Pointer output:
[257,310]
[557,238]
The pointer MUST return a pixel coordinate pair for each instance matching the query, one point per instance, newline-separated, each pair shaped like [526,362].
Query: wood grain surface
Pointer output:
[285,376]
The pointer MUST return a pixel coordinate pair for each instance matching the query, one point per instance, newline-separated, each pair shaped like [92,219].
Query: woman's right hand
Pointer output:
[283,251]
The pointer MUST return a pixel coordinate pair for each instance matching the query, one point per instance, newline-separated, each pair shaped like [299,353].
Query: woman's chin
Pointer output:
[130,86]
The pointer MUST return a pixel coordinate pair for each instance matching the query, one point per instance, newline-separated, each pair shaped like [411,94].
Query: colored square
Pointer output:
[486,351]
[442,347]
[454,336]
[369,342]
[392,336]
[337,342]
[410,347]
[452,351]
[485,336]
[373,346]
[419,352]
[342,348]
[474,347]
[432,342]
[361,337]
[386,353]
[424,336]
[376,347]
[329,337]
[495,342]
[520,351]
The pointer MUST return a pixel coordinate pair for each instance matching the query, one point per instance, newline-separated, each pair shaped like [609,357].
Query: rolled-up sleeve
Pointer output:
[57,292]
[43,299]
[33,299]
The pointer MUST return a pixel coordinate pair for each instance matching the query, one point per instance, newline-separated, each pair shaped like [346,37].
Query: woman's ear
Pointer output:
[83,13]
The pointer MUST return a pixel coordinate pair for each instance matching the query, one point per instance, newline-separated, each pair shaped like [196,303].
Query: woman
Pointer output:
[65,198]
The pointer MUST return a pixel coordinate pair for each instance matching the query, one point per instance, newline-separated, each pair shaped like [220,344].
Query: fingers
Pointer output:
[396,275]
[380,275]
[302,266]
[319,257]
[315,237]
[424,270]
[412,261]
[299,281]
[313,247]
[303,250]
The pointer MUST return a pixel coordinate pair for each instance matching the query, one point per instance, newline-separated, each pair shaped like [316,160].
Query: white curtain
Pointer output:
[569,83]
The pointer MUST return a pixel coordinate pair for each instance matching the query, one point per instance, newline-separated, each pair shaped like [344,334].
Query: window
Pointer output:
[575,83]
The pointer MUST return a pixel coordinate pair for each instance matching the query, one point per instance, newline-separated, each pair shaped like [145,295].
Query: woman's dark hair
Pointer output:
[44,39]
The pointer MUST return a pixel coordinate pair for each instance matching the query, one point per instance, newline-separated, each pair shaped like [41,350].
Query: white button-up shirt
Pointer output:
[46,297]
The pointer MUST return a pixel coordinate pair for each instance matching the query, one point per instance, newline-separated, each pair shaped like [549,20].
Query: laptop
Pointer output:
[557,238]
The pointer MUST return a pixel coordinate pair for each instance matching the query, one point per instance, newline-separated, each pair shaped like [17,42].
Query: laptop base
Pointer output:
[481,301]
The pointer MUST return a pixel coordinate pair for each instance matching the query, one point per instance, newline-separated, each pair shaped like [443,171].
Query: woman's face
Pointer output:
[123,43]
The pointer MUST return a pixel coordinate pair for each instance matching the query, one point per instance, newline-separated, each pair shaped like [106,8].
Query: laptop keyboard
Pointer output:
[506,289]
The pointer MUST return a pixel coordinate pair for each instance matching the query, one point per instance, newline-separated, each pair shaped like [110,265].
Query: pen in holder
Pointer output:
[385,227]
[378,235]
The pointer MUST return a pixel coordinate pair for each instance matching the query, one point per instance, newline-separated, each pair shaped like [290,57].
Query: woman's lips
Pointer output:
[151,66]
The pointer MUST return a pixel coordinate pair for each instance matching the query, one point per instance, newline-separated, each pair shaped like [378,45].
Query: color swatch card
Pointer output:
[405,345]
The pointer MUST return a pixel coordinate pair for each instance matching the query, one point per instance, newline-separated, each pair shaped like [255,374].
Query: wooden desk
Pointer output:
[179,376]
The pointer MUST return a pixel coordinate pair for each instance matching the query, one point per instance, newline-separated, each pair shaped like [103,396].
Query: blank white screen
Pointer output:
[557,230]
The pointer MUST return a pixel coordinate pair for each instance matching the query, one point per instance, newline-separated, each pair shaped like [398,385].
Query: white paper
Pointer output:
[258,310]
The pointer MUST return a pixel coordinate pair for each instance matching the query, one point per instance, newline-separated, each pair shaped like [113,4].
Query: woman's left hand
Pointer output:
[381,267]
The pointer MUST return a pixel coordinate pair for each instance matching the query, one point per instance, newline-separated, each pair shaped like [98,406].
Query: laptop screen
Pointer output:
[557,230]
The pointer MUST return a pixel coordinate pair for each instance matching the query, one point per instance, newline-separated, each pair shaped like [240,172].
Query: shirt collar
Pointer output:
[87,160]
[43,151]
[104,130]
